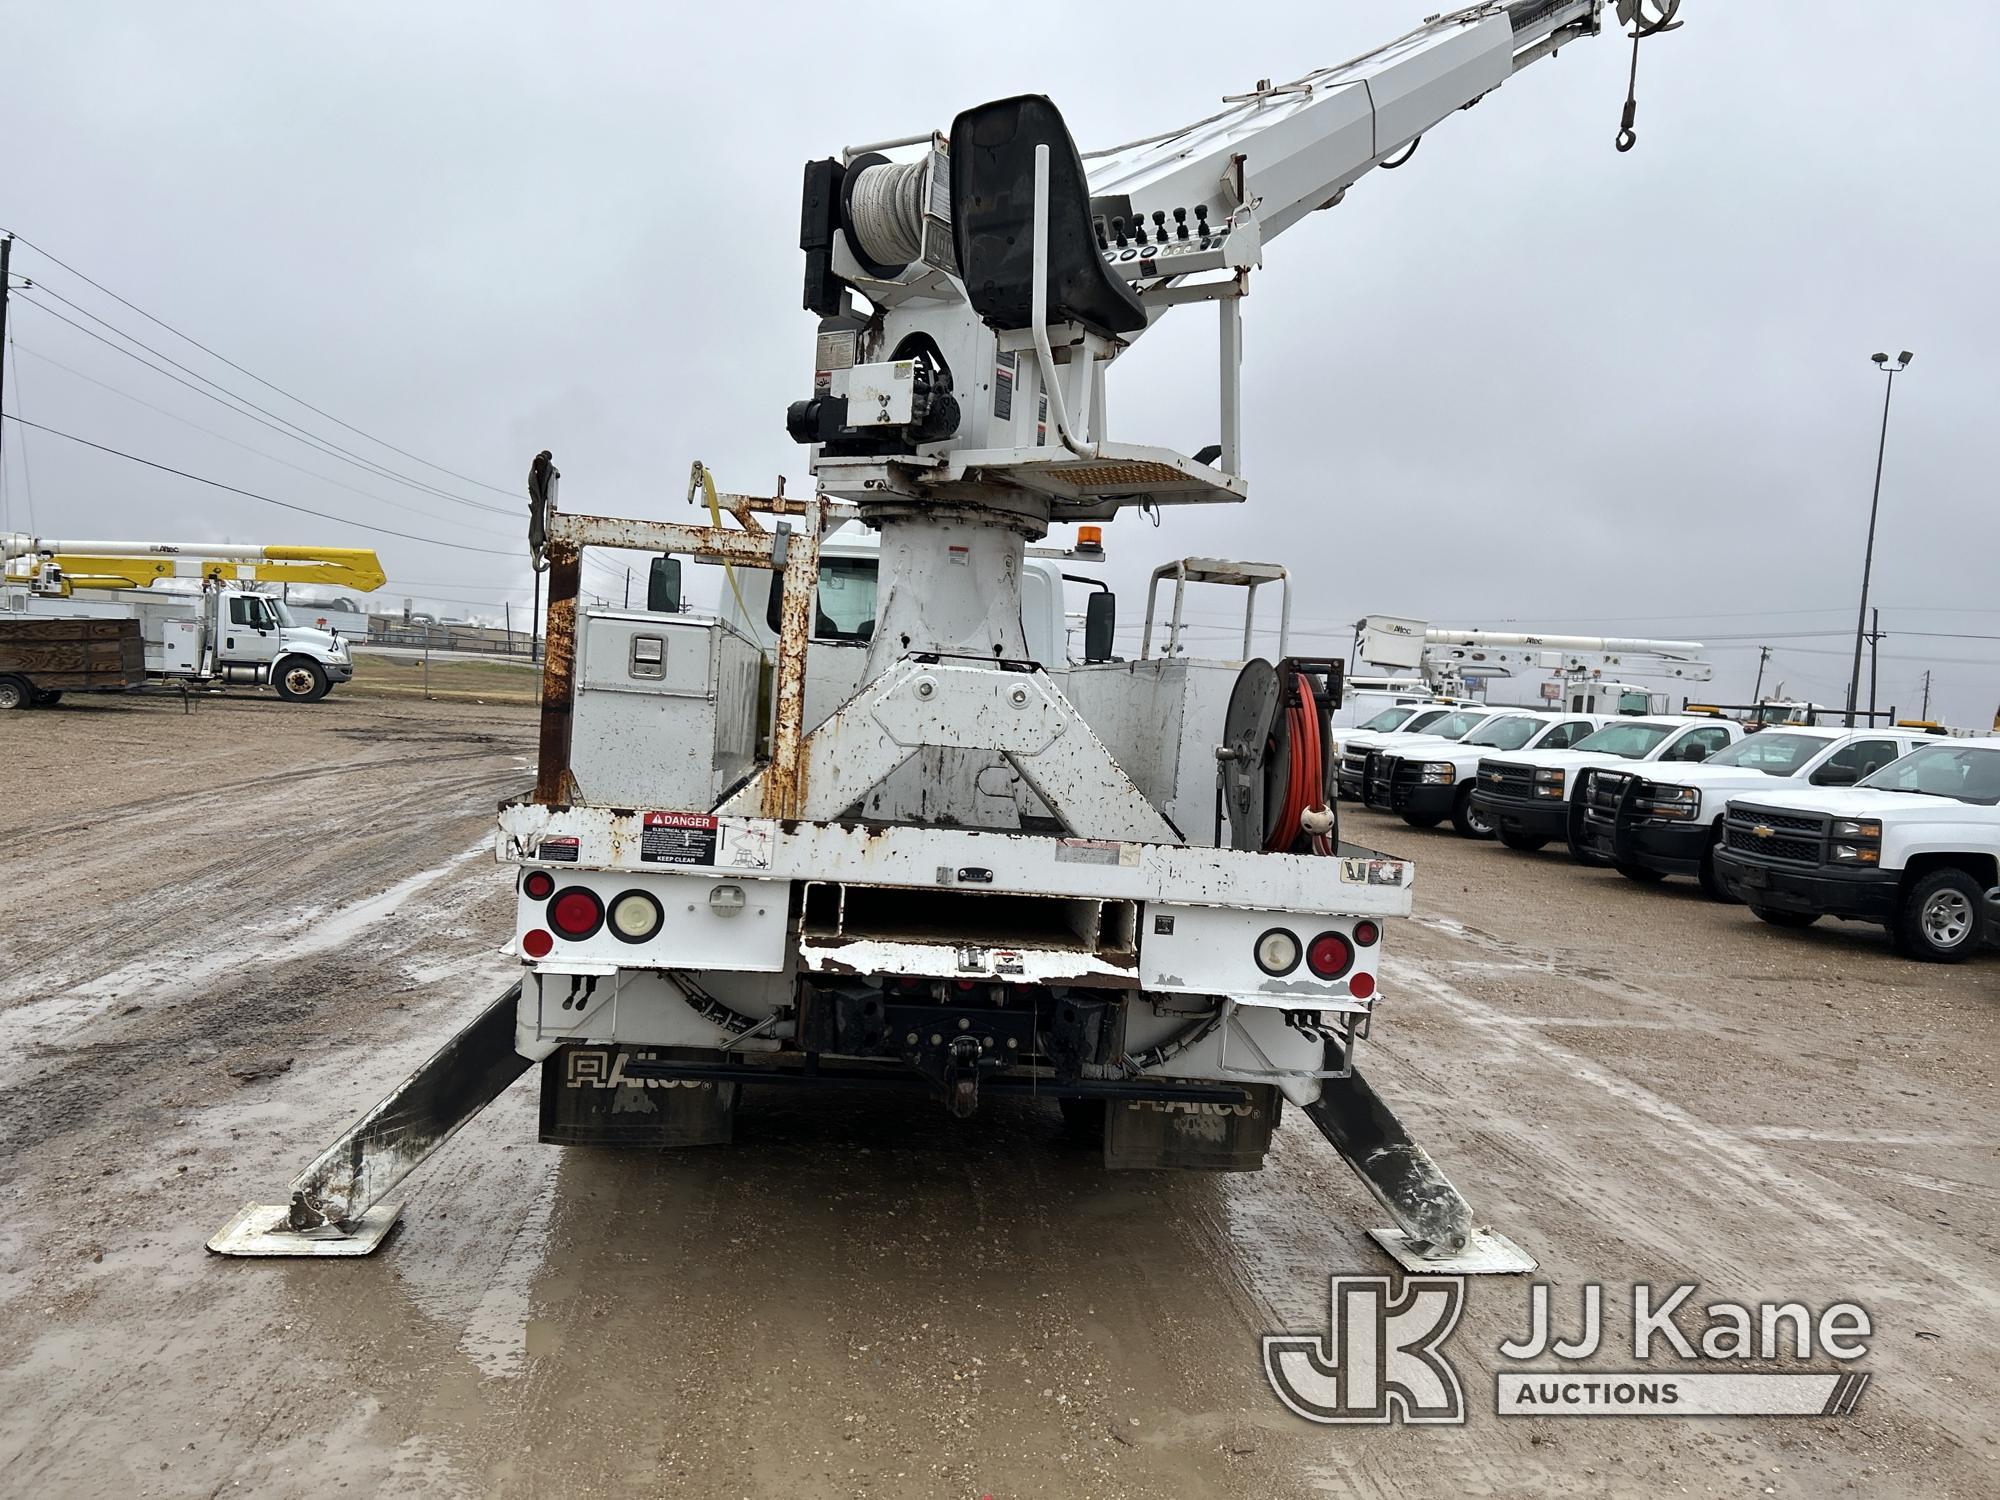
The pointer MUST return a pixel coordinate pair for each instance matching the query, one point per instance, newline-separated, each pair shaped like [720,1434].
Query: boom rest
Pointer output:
[993,221]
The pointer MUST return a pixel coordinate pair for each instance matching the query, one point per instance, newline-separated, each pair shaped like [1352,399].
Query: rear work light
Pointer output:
[635,916]
[1330,955]
[576,913]
[538,885]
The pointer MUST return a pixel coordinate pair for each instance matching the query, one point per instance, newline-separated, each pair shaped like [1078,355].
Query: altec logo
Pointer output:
[1381,1361]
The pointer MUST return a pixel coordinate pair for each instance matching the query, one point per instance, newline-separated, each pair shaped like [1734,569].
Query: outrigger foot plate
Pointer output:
[265,1229]
[1488,1253]
[339,1204]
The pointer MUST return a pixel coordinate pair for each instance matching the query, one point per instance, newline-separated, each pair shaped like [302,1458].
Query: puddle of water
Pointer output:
[500,1337]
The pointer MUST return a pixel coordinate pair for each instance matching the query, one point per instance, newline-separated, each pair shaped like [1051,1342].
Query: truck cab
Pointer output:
[1533,797]
[1670,822]
[1915,848]
[1428,779]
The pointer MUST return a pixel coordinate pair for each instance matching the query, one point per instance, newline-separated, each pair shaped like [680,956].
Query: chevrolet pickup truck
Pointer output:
[1531,797]
[1427,780]
[1669,822]
[1914,847]
[1350,750]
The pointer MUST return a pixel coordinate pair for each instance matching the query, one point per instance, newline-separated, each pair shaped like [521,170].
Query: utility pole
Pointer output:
[1926,714]
[1874,504]
[1763,656]
[628,589]
[535,621]
[6,254]
[507,614]
[1874,662]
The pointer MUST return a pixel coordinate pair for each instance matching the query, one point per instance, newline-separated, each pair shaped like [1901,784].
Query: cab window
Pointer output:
[1454,725]
[844,603]
[1564,735]
[1850,763]
[1773,752]
[1971,774]
[1503,734]
[1697,744]
[1389,718]
[247,609]
[1425,719]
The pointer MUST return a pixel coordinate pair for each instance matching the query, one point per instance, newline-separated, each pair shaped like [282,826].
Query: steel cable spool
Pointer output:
[885,213]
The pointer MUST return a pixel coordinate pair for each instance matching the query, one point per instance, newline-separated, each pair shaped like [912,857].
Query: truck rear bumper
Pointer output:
[1671,848]
[1859,895]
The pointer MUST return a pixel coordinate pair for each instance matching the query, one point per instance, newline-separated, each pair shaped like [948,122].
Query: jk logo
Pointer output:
[1380,1358]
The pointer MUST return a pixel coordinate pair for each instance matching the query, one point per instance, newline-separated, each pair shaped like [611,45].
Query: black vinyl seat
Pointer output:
[993,221]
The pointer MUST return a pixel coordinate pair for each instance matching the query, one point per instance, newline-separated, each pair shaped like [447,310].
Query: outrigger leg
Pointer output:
[337,1205]
[1434,1230]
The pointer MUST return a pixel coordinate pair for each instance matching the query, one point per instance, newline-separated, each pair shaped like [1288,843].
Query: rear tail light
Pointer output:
[1366,934]
[1361,986]
[538,885]
[1277,952]
[1330,955]
[635,916]
[536,943]
[576,913]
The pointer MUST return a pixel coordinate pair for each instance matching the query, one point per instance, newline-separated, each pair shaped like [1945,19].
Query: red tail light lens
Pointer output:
[536,943]
[538,885]
[576,913]
[1330,955]
[1366,934]
[1361,986]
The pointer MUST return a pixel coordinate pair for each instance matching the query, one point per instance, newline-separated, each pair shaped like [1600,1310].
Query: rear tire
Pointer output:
[1467,819]
[15,693]
[1423,820]
[48,698]
[1778,918]
[1641,874]
[1527,843]
[1940,918]
[1083,1119]
[300,679]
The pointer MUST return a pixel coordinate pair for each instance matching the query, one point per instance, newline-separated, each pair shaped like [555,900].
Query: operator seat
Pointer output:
[993,221]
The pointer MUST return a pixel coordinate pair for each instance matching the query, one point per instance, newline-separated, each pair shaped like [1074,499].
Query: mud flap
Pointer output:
[1434,1228]
[1151,1134]
[337,1205]
[588,1099]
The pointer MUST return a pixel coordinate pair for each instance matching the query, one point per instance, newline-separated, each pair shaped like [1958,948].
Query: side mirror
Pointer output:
[1837,776]
[1100,624]
[663,586]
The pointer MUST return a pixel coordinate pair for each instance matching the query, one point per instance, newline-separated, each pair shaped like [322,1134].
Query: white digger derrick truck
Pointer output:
[951,881]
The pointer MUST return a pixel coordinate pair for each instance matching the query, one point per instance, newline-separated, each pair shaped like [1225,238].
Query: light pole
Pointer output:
[1868,559]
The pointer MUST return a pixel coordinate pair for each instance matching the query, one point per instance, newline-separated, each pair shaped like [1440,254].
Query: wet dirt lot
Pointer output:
[863,1297]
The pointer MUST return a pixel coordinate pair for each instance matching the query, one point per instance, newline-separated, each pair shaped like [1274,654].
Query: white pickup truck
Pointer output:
[1428,779]
[1670,822]
[1914,847]
[1449,720]
[1533,797]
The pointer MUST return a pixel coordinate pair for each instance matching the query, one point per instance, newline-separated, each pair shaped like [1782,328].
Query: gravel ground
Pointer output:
[863,1297]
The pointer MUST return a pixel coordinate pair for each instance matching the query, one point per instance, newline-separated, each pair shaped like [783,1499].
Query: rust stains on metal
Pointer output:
[553,783]
[785,777]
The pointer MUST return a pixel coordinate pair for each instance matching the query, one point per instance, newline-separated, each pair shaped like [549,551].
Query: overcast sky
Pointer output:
[1526,381]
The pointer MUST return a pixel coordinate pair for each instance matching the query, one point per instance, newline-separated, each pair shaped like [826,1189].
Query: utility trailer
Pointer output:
[964,879]
[40,660]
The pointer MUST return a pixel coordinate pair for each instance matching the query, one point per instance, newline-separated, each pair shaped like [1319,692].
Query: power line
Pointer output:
[268,385]
[253,495]
[225,438]
[27,479]
[289,428]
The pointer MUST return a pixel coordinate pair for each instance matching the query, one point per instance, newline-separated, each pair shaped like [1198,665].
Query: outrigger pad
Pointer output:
[261,1229]
[1488,1253]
